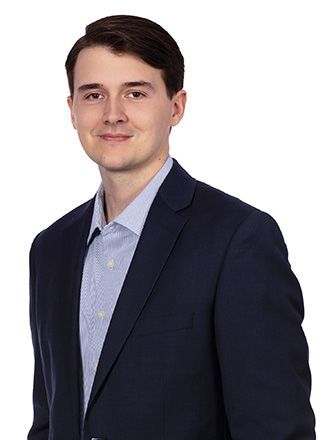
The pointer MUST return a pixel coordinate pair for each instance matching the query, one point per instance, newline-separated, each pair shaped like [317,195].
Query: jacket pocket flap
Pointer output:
[162,324]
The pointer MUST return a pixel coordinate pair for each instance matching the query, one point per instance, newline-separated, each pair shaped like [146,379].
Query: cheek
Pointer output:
[139,117]
[162,124]
[154,121]
[87,119]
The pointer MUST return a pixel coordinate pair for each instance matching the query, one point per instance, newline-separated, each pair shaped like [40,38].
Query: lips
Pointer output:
[118,137]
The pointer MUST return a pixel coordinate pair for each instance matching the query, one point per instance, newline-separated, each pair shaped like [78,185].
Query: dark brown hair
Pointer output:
[137,36]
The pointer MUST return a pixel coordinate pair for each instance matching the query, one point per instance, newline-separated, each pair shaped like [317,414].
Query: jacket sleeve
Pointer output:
[262,350]
[40,426]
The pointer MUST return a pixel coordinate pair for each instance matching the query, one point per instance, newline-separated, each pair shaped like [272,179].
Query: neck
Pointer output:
[121,187]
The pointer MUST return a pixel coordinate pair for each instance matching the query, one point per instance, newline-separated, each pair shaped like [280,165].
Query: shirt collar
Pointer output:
[133,217]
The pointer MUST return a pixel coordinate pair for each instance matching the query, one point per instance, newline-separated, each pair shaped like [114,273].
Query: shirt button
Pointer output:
[101,314]
[110,263]
[94,366]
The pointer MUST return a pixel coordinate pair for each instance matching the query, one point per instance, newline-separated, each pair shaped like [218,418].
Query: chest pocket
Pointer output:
[163,324]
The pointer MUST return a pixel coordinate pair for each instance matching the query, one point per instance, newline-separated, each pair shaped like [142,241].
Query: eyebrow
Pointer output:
[138,84]
[91,86]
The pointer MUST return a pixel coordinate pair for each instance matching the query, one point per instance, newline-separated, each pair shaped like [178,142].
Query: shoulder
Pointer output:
[223,211]
[218,206]
[210,210]
[52,235]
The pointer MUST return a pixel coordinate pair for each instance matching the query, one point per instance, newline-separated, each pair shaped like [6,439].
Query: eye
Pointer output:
[93,96]
[136,95]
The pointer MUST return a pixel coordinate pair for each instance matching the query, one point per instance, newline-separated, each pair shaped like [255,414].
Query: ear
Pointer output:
[179,103]
[70,104]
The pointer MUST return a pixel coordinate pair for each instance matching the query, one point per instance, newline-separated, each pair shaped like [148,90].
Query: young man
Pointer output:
[161,308]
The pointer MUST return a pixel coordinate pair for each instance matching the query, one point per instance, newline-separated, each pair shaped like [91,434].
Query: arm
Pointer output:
[261,346]
[40,427]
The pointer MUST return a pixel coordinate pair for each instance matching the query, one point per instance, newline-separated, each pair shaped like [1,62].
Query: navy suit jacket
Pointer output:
[205,342]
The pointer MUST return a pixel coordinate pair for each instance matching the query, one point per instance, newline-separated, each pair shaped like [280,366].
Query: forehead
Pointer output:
[100,65]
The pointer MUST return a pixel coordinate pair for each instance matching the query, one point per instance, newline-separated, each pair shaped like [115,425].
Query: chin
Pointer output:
[116,165]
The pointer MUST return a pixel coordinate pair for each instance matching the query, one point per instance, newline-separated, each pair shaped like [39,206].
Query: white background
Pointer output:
[260,124]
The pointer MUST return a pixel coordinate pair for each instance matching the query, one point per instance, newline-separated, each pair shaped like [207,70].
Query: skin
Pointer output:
[123,119]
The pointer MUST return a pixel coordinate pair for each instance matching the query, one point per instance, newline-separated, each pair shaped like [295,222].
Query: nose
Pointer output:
[114,111]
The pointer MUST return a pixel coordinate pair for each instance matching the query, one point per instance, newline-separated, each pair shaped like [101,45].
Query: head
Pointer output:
[128,34]
[125,78]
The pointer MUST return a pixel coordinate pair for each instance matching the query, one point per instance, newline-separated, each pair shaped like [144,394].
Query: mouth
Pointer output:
[118,137]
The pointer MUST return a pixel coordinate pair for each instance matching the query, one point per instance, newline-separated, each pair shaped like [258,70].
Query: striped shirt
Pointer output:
[109,253]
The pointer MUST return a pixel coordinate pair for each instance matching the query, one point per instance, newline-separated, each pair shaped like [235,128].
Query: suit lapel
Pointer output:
[163,225]
[73,254]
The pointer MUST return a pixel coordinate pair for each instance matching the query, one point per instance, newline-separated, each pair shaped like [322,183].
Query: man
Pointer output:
[161,308]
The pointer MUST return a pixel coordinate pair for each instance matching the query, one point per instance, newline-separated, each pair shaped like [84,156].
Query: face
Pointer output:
[121,110]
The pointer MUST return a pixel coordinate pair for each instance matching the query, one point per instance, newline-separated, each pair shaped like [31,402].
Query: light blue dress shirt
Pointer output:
[108,258]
